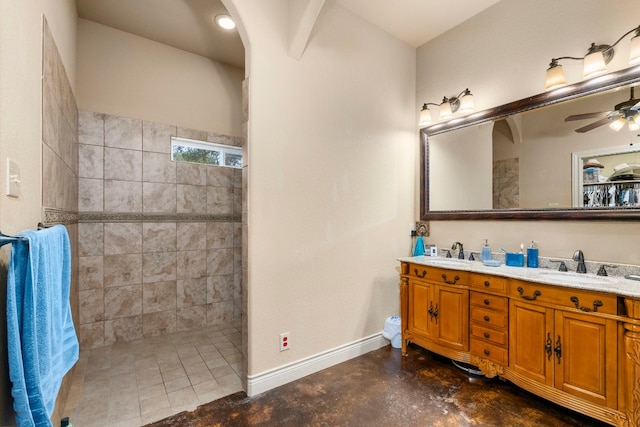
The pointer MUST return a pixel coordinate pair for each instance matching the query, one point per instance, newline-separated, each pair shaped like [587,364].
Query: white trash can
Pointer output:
[393,331]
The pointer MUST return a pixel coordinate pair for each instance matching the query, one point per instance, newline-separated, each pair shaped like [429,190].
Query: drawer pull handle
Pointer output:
[424,273]
[486,283]
[536,294]
[486,318]
[487,302]
[486,352]
[486,335]
[547,346]
[597,303]
[453,282]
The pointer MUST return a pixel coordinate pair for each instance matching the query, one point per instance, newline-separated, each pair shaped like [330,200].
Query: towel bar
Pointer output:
[4,239]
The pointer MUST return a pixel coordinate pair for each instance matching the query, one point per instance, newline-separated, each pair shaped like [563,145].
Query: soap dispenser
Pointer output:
[485,255]
[532,255]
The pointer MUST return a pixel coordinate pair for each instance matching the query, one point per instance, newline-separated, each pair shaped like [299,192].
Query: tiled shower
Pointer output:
[157,257]
[159,241]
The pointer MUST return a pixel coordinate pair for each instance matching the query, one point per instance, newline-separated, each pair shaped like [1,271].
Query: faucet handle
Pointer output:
[562,266]
[471,257]
[602,271]
[448,253]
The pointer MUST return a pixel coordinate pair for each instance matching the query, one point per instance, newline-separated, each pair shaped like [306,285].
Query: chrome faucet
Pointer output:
[579,256]
[461,253]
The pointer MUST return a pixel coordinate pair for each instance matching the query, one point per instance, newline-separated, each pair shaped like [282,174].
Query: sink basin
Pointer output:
[575,278]
[447,262]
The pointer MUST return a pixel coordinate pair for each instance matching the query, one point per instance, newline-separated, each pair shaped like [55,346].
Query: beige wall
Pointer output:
[461,172]
[502,55]
[20,125]
[332,143]
[127,75]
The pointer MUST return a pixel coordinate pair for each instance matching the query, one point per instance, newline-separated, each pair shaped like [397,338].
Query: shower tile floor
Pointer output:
[130,384]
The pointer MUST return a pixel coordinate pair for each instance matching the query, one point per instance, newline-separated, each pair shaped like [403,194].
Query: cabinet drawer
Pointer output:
[489,351]
[488,317]
[484,281]
[438,275]
[567,297]
[490,302]
[497,337]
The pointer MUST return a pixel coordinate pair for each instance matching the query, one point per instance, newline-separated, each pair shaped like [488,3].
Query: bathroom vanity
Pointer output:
[573,339]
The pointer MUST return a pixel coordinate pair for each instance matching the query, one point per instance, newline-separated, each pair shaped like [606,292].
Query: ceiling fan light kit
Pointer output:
[594,62]
[624,113]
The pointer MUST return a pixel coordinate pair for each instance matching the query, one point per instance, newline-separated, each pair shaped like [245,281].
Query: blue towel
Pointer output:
[419,249]
[42,340]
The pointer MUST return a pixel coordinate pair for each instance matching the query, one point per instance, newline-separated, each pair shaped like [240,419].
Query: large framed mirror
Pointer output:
[530,159]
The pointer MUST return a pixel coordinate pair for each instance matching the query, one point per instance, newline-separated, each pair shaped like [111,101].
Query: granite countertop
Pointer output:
[609,284]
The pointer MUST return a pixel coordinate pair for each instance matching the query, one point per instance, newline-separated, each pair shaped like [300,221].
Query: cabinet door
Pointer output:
[588,364]
[530,334]
[419,303]
[452,322]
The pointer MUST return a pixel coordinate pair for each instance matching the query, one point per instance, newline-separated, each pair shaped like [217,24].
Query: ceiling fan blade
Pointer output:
[636,107]
[586,116]
[594,125]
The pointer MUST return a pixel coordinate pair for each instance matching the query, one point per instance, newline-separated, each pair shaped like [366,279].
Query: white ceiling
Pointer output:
[187,24]
[415,22]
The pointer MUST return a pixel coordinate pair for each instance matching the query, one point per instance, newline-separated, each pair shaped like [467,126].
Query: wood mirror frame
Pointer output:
[588,87]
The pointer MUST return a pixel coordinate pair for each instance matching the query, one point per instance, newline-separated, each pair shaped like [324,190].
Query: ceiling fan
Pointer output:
[628,111]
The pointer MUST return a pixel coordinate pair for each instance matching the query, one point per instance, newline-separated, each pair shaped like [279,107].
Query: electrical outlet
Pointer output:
[284,341]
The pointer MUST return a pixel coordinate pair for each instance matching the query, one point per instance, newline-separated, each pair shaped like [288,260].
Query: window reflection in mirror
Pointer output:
[607,177]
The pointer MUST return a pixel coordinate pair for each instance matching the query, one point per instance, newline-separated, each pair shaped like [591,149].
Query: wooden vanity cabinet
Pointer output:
[572,352]
[577,348]
[489,316]
[438,312]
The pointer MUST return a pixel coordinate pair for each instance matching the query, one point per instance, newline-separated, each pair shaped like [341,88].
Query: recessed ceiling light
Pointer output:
[225,21]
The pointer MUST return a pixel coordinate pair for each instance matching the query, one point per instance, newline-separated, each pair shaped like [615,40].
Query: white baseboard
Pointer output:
[276,377]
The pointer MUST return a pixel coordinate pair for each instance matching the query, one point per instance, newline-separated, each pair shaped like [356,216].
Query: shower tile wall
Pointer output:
[506,184]
[59,169]
[160,241]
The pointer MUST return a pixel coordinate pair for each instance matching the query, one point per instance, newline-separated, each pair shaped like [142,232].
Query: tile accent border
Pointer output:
[52,216]
[134,217]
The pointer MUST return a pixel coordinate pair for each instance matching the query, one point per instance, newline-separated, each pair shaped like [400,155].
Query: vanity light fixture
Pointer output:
[594,62]
[462,103]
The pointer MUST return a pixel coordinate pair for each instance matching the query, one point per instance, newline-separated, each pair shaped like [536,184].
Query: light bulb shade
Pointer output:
[445,110]
[618,124]
[466,103]
[634,51]
[425,116]
[633,125]
[594,65]
[555,78]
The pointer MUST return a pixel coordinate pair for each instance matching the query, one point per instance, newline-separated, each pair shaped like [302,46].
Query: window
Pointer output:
[190,150]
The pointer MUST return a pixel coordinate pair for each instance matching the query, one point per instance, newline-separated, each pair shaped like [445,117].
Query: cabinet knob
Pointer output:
[486,352]
[486,335]
[487,302]
[486,318]
[486,283]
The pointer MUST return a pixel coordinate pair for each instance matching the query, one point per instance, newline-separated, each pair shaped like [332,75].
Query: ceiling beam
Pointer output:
[303,17]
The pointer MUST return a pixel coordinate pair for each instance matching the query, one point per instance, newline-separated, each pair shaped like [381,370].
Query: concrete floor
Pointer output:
[382,388]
